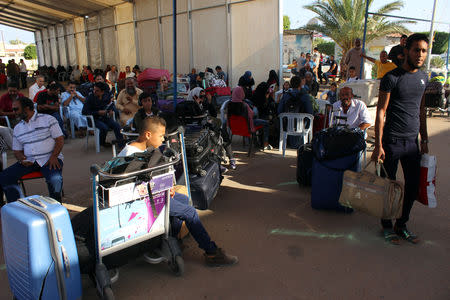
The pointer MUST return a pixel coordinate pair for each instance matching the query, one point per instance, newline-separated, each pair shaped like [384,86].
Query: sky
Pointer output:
[411,8]
[300,16]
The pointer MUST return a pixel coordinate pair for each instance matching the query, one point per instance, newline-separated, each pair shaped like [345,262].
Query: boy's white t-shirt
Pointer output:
[351,79]
[129,150]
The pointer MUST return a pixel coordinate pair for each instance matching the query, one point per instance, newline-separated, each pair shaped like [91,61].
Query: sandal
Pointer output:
[407,235]
[391,237]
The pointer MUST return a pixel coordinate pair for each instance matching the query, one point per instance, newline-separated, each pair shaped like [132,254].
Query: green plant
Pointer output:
[286,22]
[30,52]
[326,47]
[437,62]
[343,21]
[440,42]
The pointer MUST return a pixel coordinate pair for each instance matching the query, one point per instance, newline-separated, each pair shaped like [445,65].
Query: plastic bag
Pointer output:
[427,186]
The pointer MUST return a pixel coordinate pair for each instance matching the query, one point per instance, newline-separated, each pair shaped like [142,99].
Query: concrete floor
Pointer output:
[286,249]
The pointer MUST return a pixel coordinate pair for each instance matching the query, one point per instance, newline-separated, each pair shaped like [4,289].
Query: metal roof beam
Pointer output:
[21,11]
[27,23]
[58,8]
[29,18]
[18,25]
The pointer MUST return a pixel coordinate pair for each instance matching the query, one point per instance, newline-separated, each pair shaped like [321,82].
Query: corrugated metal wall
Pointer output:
[238,35]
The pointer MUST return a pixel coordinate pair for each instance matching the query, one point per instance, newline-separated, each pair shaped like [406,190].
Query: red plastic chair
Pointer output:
[239,126]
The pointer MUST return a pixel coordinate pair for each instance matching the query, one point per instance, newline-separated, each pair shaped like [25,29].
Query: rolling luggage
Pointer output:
[304,165]
[204,188]
[40,252]
[199,151]
[327,181]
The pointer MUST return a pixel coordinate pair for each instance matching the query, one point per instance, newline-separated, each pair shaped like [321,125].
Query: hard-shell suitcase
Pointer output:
[304,165]
[327,181]
[204,188]
[40,251]
[199,151]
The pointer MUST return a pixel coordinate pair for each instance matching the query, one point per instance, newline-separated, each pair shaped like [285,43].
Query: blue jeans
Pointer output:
[10,176]
[57,116]
[104,125]
[265,124]
[182,211]
[407,152]
[325,75]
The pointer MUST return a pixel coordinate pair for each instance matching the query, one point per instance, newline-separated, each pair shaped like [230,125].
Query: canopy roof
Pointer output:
[32,15]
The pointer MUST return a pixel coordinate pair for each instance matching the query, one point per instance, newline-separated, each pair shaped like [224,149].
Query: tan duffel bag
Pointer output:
[372,194]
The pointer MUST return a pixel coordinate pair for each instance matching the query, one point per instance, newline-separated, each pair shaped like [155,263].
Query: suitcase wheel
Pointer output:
[176,265]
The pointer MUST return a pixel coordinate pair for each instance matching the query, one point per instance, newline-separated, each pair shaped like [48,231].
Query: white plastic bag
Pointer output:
[427,186]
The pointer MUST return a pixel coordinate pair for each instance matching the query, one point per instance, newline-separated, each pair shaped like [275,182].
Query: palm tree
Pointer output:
[343,21]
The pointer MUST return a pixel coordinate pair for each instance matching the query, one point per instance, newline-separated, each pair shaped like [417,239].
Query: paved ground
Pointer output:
[286,249]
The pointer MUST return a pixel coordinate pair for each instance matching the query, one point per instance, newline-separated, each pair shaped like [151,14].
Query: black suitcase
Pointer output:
[204,188]
[304,165]
[199,151]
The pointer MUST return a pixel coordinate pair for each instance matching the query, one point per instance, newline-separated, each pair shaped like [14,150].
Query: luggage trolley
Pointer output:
[129,209]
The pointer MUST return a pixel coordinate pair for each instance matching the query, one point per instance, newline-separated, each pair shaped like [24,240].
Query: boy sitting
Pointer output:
[151,137]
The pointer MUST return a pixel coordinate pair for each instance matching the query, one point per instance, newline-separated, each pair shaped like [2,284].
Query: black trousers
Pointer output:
[23,79]
[407,152]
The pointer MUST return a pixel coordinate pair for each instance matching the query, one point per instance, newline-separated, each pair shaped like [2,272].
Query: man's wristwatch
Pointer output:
[424,141]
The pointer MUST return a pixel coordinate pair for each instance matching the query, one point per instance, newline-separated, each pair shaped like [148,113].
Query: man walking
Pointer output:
[23,73]
[401,101]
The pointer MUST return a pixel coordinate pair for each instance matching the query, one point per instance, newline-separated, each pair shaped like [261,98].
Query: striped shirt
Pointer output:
[36,138]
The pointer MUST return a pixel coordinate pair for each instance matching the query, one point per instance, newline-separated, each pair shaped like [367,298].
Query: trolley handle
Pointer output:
[96,170]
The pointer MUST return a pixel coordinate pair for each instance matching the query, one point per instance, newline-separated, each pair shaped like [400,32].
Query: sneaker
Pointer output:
[268,147]
[233,164]
[219,259]
[407,235]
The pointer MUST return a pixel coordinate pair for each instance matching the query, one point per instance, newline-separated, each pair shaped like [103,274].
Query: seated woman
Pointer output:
[75,101]
[165,88]
[239,107]
[247,82]
[263,100]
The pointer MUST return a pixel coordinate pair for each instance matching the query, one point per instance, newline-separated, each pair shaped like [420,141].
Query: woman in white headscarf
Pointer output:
[194,92]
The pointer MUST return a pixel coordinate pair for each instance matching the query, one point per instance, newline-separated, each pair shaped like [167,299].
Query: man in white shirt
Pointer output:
[74,101]
[36,87]
[350,112]
[37,144]
[23,73]
[129,73]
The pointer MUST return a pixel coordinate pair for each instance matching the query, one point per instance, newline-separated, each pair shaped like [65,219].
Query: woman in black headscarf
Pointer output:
[246,82]
[263,100]
[273,78]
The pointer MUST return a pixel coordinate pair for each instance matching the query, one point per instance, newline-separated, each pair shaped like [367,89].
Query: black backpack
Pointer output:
[293,103]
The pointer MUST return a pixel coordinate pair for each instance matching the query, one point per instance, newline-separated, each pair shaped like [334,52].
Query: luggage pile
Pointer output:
[203,151]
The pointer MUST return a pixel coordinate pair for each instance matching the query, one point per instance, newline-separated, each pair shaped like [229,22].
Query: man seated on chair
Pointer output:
[37,144]
[36,87]
[151,137]
[127,101]
[100,105]
[75,102]
[6,101]
[147,110]
[350,112]
[48,103]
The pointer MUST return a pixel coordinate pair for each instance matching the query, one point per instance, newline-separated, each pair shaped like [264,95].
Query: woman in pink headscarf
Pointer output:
[243,108]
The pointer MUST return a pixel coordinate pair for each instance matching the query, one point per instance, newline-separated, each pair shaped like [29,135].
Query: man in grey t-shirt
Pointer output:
[401,101]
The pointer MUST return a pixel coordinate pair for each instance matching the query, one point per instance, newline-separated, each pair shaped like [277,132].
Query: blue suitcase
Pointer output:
[327,181]
[40,252]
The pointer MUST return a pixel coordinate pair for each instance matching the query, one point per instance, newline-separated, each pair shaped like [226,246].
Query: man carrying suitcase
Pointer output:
[401,116]
[151,137]
[37,144]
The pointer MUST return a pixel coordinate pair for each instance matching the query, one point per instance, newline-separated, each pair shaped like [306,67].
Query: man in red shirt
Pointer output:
[6,101]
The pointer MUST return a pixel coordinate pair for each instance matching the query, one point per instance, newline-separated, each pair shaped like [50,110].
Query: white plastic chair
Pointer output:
[6,120]
[296,127]
[91,127]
